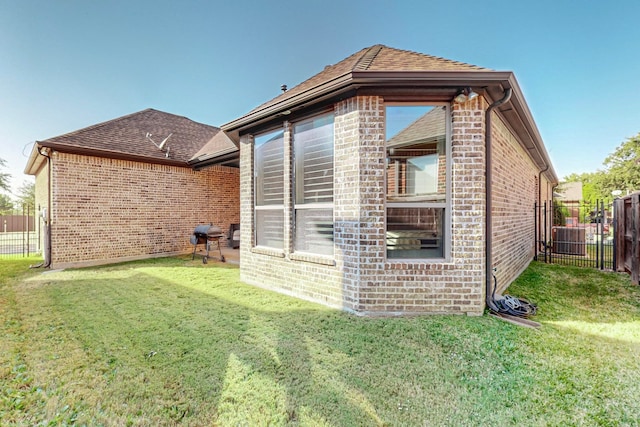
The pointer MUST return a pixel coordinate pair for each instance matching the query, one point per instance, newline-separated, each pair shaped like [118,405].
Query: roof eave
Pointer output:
[35,160]
[526,128]
[492,82]
[206,157]
[433,78]
[331,87]
[64,148]
[352,79]
[231,159]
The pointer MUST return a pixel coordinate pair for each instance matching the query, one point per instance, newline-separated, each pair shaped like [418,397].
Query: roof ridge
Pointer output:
[367,58]
[178,116]
[439,58]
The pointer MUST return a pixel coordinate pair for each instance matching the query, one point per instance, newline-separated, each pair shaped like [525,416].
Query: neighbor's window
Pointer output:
[269,189]
[313,185]
[416,181]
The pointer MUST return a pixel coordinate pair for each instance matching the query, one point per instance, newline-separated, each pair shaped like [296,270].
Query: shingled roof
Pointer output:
[367,63]
[378,58]
[126,138]
[392,72]
[218,150]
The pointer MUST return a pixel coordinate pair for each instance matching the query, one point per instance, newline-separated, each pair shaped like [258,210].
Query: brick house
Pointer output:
[114,192]
[392,182]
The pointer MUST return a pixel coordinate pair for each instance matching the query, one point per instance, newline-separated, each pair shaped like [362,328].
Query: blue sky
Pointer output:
[68,64]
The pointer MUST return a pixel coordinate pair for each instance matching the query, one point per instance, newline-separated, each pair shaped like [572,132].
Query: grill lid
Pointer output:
[209,230]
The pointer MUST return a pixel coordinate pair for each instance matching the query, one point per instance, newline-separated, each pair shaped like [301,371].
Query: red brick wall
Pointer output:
[514,191]
[359,277]
[107,210]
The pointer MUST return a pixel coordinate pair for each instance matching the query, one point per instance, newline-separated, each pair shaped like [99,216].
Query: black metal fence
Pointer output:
[19,235]
[576,233]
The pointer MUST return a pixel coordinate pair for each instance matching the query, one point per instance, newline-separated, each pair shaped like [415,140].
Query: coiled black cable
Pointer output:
[513,306]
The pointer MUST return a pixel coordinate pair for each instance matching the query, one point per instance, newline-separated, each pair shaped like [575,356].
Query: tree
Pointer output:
[6,205]
[4,177]
[591,185]
[623,168]
[27,195]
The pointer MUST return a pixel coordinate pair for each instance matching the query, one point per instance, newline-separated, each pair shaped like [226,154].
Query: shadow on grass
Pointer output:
[169,341]
[193,343]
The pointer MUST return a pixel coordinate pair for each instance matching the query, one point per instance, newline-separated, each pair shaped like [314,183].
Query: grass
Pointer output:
[592,258]
[175,342]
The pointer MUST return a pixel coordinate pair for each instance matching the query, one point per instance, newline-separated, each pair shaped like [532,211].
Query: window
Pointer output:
[416,181]
[313,185]
[269,189]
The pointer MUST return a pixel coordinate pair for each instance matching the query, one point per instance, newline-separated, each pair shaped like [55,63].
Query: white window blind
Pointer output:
[269,190]
[313,155]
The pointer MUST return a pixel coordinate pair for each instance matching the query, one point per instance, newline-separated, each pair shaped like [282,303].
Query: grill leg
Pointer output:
[220,250]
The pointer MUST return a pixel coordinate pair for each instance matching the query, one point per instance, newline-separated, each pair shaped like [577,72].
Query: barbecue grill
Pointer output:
[206,235]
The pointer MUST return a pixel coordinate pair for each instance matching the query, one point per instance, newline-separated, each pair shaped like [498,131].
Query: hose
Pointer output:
[508,304]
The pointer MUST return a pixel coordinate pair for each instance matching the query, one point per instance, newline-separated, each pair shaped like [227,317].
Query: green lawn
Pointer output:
[175,342]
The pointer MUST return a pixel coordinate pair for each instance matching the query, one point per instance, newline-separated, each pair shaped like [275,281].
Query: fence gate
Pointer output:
[576,233]
[627,216]
[18,234]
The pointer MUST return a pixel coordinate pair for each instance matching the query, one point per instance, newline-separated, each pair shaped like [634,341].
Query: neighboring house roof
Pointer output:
[428,127]
[570,191]
[380,68]
[126,138]
[220,150]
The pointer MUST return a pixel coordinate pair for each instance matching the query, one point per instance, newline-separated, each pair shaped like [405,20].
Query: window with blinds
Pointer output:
[269,189]
[313,185]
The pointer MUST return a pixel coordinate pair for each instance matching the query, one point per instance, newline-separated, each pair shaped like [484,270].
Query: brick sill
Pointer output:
[316,259]
[267,251]
[431,264]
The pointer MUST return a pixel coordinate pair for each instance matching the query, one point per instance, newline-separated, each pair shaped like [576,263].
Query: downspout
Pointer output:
[546,168]
[537,237]
[488,203]
[47,216]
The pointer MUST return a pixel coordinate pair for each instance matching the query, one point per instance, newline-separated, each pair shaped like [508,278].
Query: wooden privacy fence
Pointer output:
[627,212]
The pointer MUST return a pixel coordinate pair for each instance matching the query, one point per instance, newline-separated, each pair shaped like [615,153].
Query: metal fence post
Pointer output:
[545,231]
[536,233]
[28,229]
[635,249]
[614,208]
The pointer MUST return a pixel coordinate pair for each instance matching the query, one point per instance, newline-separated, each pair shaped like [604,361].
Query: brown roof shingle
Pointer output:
[375,59]
[219,145]
[126,137]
